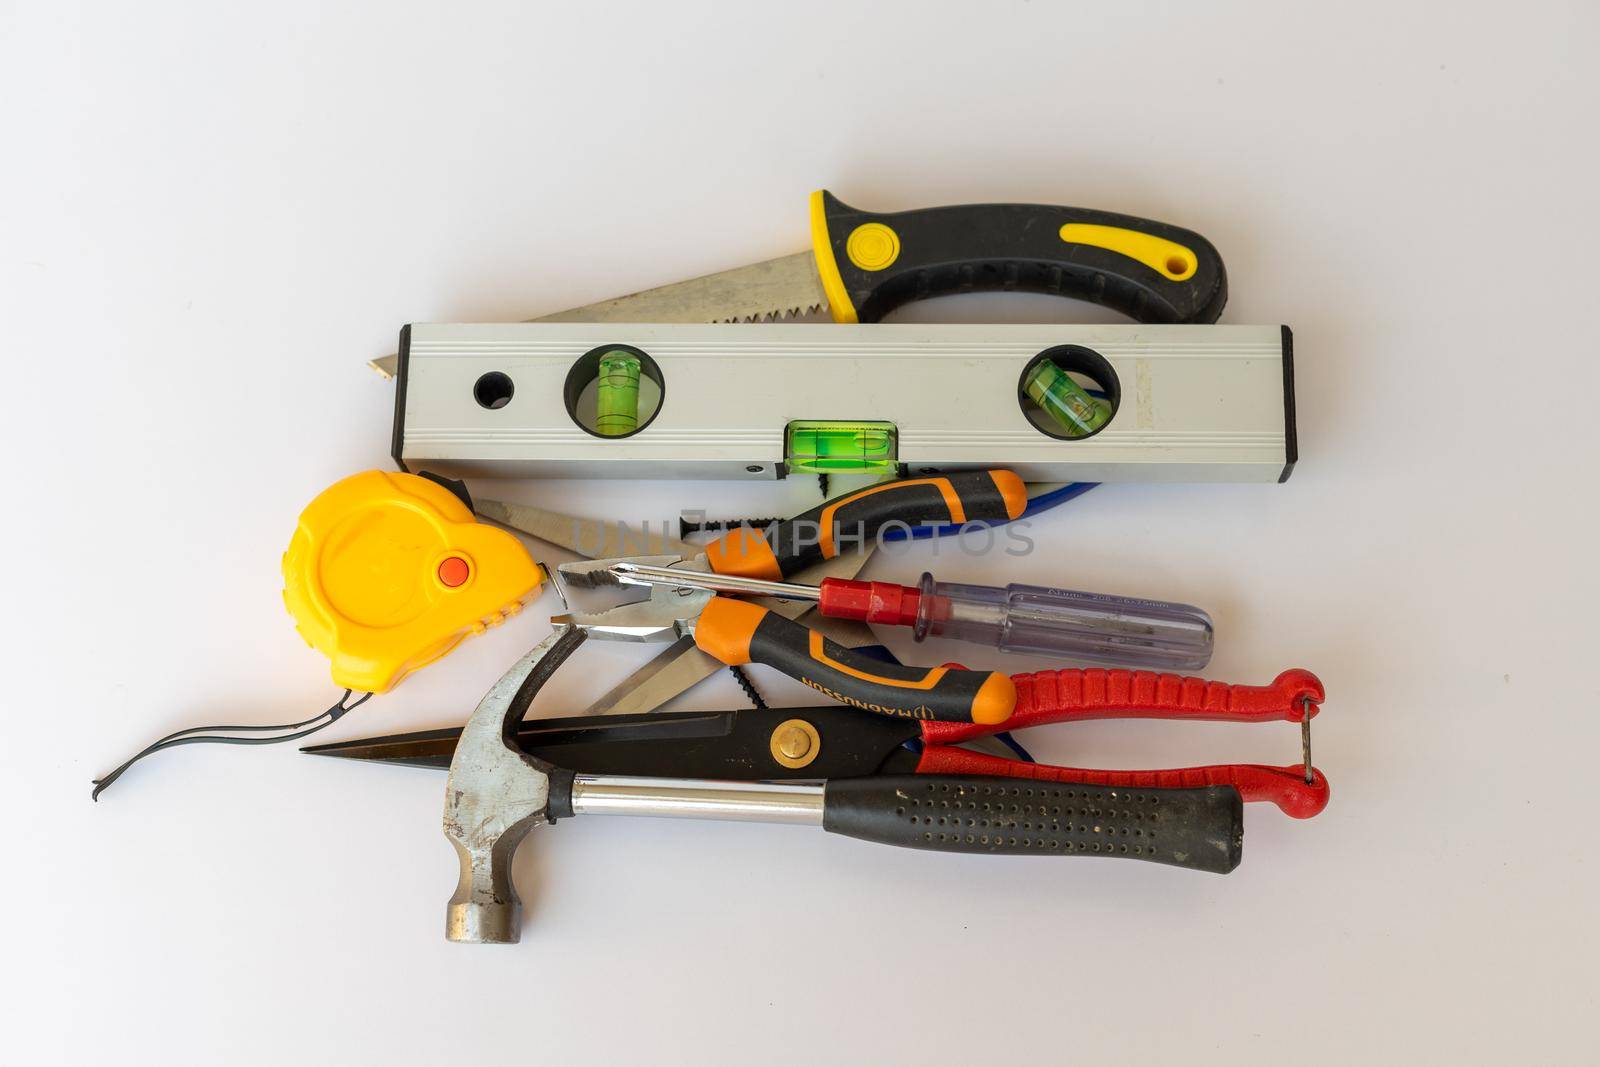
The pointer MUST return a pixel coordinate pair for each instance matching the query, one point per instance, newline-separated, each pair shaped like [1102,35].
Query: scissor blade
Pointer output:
[559,740]
[676,669]
[425,748]
[682,665]
[697,744]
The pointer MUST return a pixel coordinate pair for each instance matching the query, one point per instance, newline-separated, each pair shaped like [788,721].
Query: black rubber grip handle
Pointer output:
[823,531]
[852,520]
[1202,829]
[738,632]
[1147,270]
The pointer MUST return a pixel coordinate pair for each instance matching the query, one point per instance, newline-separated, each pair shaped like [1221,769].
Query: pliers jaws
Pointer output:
[667,613]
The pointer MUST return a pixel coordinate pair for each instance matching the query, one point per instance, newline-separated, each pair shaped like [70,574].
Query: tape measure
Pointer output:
[387,572]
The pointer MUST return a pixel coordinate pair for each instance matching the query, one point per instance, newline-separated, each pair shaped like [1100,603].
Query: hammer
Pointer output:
[497,793]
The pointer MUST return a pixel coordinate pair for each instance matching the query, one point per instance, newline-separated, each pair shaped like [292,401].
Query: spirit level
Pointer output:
[759,401]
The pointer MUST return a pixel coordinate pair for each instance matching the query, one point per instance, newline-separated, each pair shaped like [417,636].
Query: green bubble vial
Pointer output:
[617,394]
[827,447]
[1064,400]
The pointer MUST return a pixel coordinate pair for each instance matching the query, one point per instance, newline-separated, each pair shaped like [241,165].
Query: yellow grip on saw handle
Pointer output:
[870,263]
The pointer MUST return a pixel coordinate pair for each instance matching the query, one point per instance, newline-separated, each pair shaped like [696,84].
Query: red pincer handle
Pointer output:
[1045,697]
[1284,786]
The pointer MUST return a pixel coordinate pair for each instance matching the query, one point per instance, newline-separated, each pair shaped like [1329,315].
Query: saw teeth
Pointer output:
[780,314]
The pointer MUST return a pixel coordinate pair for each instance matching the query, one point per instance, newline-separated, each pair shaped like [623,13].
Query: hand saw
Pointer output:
[861,265]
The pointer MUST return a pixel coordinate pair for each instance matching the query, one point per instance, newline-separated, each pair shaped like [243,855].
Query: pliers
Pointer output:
[737,632]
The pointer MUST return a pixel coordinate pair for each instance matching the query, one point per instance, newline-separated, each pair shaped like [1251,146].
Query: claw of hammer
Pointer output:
[496,794]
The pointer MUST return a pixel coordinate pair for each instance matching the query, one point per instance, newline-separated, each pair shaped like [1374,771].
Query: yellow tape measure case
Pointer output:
[387,572]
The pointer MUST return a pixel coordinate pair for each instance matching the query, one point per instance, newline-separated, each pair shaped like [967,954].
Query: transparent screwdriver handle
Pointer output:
[1067,624]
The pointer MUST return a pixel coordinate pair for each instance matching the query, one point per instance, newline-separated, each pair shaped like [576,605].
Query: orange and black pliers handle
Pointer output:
[738,632]
[1045,697]
[788,547]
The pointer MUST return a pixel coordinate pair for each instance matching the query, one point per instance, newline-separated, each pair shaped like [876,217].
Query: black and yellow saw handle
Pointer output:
[738,632]
[870,264]
[788,547]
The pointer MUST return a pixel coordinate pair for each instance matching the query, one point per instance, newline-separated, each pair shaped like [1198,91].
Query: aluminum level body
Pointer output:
[1195,403]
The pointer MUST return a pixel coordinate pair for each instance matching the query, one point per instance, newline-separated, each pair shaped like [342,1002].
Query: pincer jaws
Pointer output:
[665,615]
[604,573]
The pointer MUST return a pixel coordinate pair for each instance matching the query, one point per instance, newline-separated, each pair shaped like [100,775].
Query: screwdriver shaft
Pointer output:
[648,574]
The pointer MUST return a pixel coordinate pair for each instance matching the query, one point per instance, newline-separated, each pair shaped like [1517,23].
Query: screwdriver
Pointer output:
[1025,619]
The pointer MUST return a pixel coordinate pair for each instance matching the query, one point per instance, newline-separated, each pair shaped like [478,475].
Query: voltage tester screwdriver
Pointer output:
[1023,619]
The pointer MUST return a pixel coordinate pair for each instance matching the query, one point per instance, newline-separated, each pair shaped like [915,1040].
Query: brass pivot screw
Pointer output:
[795,743]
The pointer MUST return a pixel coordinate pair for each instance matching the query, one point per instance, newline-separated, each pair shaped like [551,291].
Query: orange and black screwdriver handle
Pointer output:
[871,263]
[852,520]
[1045,697]
[738,632]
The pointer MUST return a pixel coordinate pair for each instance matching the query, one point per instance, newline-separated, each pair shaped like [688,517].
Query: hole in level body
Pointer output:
[493,390]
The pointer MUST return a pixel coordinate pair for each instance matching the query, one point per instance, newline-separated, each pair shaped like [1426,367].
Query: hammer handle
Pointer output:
[1201,829]
[1198,828]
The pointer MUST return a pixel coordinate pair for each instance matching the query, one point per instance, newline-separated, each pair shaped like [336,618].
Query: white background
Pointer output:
[210,216]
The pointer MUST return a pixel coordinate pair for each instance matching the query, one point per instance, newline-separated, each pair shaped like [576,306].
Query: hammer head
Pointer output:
[496,794]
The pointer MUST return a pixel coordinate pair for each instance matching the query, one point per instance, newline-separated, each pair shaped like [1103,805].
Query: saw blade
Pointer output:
[786,287]
[783,288]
